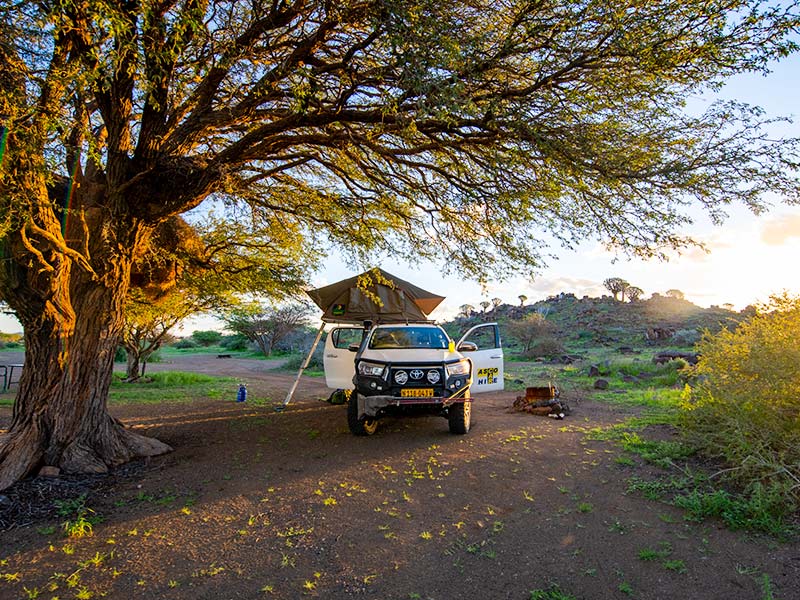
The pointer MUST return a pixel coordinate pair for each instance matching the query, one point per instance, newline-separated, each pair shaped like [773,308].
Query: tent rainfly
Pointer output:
[374,295]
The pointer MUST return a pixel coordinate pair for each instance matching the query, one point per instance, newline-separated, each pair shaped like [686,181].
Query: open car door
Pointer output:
[487,360]
[339,361]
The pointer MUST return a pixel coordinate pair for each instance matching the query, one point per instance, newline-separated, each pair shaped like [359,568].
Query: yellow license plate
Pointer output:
[417,393]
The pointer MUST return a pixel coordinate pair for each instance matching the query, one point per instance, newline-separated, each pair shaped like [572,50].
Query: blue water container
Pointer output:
[241,395]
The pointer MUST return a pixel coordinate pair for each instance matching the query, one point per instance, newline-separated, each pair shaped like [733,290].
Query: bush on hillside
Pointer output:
[686,337]
[547,347]
[745,406]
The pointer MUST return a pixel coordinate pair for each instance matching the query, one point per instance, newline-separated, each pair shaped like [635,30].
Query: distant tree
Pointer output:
[529,330]
[616,286]
[147,327]
[466,310]
[728,306]
[266,326]
[677,294]
[496,302]
[634,293]
[522,299]
[484,305]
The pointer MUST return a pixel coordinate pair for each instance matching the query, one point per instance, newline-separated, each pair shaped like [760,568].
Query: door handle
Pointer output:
[331,356]
[498,356]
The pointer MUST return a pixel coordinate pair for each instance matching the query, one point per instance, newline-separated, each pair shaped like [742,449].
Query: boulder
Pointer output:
[664,357]
[601,384]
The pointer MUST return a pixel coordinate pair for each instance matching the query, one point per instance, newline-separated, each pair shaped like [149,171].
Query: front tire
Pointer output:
[459,417]
[363,426]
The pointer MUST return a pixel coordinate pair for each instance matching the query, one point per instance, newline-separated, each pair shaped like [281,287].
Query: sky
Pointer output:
[747,259]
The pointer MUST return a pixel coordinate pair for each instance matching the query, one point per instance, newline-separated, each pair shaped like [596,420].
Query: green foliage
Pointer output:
[119,355]
[686,337]
[267,326]
[762,509]
[186,343]
[80,522]
[70,506]
[745,404]
[295,361]
[759,508]
[207,338]
[236,342]
[172,386]
[553,592]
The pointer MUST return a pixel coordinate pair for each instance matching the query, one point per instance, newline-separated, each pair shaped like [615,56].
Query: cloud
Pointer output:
[778,230]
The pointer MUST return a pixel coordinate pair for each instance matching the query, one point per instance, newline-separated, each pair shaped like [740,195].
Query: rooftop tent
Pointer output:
[353,300]
[348,302]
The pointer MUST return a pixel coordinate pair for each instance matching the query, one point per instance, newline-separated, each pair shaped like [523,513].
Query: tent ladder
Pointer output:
[303,367]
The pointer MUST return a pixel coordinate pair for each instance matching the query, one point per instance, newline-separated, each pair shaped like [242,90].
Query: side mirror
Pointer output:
[354,347]
[467,347]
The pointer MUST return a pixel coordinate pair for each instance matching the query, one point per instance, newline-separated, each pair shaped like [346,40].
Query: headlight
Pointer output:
[459,368]
[371,369]
[433,377]
[401,377]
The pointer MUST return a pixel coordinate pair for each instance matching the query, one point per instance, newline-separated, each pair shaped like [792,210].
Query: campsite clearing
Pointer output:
[255,503]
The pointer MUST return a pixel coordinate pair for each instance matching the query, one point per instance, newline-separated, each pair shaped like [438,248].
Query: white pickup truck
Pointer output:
[402,368]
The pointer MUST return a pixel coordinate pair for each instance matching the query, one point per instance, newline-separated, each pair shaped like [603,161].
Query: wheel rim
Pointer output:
[467,412]
[370,425]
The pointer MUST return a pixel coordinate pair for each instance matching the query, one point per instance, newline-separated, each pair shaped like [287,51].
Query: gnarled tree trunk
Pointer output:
[60,415]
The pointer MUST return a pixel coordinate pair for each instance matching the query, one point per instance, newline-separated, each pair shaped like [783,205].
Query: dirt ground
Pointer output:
[255,503]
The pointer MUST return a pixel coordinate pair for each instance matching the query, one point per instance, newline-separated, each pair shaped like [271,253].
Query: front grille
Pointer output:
[416,376]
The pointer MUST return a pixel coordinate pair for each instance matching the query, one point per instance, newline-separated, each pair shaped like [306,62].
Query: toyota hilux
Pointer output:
[410,368]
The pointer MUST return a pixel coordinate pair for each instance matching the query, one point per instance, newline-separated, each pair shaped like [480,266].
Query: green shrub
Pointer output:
[745,405]
[207,338]
[686,337]
[547,347]
[185,344]
[658,376]
[295,361]
[236,342]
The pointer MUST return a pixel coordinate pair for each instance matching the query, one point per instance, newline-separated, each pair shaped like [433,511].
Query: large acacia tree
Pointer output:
[455,130]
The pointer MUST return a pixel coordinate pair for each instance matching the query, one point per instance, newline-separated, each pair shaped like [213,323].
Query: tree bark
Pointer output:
[60,415]
[133,369]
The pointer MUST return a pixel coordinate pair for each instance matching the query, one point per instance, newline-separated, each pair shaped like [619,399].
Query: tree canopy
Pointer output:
[364,118]
[617,286]
[423,128]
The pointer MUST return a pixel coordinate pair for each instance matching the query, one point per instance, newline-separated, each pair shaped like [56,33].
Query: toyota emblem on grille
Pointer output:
[416,374]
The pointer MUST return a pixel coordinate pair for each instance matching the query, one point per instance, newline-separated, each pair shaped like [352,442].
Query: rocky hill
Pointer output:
[586,321]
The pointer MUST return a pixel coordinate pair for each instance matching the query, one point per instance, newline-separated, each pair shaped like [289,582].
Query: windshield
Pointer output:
[409,337]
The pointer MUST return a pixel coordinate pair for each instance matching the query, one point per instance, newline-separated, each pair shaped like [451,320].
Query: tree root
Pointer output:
[22,451]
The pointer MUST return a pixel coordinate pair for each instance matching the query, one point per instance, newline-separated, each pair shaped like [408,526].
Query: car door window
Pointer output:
[343,338]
